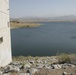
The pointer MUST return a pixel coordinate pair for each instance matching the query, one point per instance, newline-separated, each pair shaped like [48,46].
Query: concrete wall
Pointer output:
[5,41]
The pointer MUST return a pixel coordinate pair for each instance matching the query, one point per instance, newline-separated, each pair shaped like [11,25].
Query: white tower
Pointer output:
[5,42]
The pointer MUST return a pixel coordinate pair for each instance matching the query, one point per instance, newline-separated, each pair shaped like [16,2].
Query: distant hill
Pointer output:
[65,18]
[42,19]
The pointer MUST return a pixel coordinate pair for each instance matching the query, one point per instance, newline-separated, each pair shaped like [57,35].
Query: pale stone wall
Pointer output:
[5,42]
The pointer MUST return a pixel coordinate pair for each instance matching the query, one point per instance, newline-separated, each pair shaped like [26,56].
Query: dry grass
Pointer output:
[72,58]
[21,58]
[20,25]
[14,74]
[63,58]
[67,58]
[44,71]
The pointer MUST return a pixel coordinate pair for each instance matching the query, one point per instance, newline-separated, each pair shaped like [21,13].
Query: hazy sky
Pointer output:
[42,8]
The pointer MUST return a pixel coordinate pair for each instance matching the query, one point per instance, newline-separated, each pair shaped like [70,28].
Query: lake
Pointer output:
[48,39]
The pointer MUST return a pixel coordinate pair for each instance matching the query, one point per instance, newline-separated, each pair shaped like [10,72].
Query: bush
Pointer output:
[21,58]
[73,58]
[18,58]
[63,58]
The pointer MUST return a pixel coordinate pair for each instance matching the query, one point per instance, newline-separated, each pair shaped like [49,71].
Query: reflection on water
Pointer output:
[73,37]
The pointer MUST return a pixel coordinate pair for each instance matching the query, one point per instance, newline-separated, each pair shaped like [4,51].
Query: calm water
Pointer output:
[48,39]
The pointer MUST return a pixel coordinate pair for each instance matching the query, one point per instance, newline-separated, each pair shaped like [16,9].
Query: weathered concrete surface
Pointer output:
[5,44]
[5,47]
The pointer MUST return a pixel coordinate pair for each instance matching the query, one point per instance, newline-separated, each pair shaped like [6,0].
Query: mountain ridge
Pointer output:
[45,19]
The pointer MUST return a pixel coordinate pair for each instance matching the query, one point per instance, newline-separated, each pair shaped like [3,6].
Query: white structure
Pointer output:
[5,43]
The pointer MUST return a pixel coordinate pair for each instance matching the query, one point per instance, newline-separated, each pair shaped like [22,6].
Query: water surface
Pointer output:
[48,39]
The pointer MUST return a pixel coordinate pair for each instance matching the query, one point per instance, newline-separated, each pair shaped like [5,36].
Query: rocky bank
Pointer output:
[38,66]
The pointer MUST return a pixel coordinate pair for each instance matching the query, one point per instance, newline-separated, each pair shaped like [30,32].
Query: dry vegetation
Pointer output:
[21,58]
[22,25]
[43,71]
[70,71]
[67,58]
[62,58]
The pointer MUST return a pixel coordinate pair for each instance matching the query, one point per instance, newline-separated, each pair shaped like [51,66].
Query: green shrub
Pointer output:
[63,58]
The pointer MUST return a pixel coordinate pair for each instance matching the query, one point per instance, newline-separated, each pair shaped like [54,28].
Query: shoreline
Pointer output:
[14,25]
